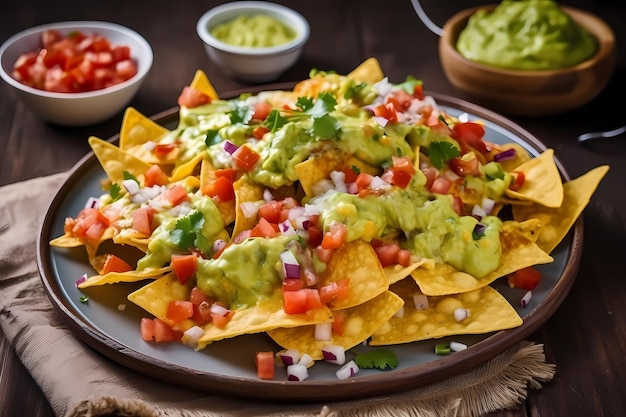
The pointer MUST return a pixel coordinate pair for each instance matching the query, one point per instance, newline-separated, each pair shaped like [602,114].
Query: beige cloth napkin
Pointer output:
[80,382]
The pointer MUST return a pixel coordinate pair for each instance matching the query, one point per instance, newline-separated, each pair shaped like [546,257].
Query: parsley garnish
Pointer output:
[380,358]
[440,152]
[324,125]
[188,232]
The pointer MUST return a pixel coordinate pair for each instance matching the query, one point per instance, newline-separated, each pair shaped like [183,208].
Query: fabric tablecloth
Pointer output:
[78,381]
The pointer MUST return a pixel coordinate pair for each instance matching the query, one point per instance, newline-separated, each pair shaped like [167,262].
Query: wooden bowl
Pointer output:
[528,92]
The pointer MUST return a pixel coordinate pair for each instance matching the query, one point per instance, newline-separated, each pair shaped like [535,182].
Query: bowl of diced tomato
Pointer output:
[76,73]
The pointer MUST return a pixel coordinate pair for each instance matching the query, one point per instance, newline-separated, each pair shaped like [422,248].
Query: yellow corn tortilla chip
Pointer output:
[130,276]
[521,155]
[201,82]
[266,315]
[155,296]
[488,311]
[315,169]
[518,252]
[187,169]
[66,241]
[369,71]
[245,191]
[136,131]
[396,273]
[115,161]
[360,322]
[543,184]
[558,221]
[357,261]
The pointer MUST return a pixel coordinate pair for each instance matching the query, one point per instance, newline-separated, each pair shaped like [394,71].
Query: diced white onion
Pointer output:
[93,202]
[461,314]
[131,186]
[267,195]
[378,183]
[297,372]
[191,336]
[420,301]
[526,299]
[348,370]
[150,145]
[457,346]
[339,179]
[305,360]
[219,310]
[121,307]
[478,211]
[218,245]
[323,331]
[400,313]
[334,354]
[322,186]
[249,209]
[286,228]
[380,120]
[488,205]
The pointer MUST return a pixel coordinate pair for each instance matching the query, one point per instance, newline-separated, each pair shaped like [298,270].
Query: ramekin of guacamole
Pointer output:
[525,35]
[256,31]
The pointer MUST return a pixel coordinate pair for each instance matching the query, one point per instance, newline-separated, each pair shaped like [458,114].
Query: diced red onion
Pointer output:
[420,301]
[230,147]
[286,228]
[334,354]
[505,155]
[93,202]
[353,188]
[479,228]
[461,314]
[291,267]
[348,370]
[324,332]
[303,222]
[249,209]
[80,280]
[457,346]
[526,299]
[289,357]
[297,372]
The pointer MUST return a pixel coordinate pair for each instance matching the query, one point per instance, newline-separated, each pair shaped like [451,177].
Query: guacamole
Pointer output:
[525,35]
[257,31]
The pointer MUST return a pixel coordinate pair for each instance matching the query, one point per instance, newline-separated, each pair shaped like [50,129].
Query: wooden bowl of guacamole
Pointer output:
[528,58]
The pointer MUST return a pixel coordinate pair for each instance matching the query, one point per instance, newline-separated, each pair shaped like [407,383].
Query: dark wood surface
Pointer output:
[585,338]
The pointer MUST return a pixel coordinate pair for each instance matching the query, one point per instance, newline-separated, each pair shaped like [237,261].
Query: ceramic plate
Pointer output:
[227,367]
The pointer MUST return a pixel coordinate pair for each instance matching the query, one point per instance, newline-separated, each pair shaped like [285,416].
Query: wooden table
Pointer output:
[585,338]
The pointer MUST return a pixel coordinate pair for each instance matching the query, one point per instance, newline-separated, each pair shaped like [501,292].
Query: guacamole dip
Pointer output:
[257,31]
[525,35]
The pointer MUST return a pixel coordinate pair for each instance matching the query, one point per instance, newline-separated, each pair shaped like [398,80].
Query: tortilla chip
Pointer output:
[396,273]
[359,324]
[518,251]
[521,155]
[130,276]
[558,221]
[357,261]
[264,316]
[136,131]
[187,169]
[542,183]
[315,169]
[369,71]
[201,82]
[115,161]
[244,192]
[488,311]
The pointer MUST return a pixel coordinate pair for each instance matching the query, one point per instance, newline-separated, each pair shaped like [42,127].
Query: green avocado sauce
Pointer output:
[257,31]
[525,35]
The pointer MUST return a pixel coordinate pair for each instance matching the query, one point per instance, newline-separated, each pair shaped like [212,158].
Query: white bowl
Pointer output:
[253,64]
[77,109]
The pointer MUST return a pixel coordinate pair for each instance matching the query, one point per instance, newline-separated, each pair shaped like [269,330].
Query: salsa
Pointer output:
[257,31]
[525,35]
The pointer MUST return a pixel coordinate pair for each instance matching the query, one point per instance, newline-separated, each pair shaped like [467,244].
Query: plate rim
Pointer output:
[383,383]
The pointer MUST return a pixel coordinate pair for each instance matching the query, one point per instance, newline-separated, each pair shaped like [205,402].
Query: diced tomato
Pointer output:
[155,176]
[386,111]
[229,173]
[350,174]
[431,174]
[162,150]
[322,254]
[259,131]
[457,205]
[335,291]
[525,278]
[418,91]
[245,158]
[518,181]
[401,100]
[202,312]
[126,69]
[292,284]
[176,195]
[114,263]
[261,110]
[271,211]
[470,134]
[316,235]
[404,257]
[440,186]
[265,365]
[184,266]
[88,226]
[264,229]
[147,329]
[363,180]
[190,98]
[142,220]
[220,321]
[196,296]
[120,52]
[301,301]
[220,188]
[49,37]
[335,236]
[179,310]
[387,254]
[464,166]
[162,331]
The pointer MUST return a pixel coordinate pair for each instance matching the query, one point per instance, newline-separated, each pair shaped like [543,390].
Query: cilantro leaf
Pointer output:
[275,120]
[440,152]
[326,126]
[115,191]
[384,359]
[241,115]
[128,176]
[188,232]
[212,137]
